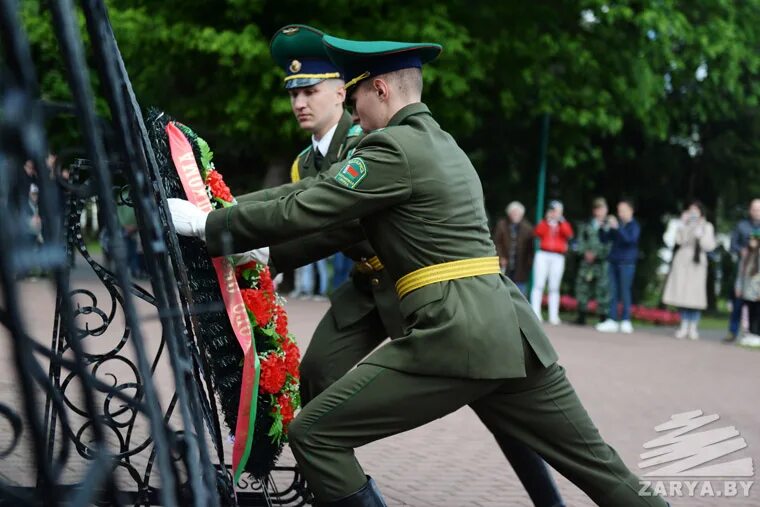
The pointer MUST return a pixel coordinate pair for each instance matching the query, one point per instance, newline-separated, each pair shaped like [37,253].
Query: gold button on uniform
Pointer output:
[375,282]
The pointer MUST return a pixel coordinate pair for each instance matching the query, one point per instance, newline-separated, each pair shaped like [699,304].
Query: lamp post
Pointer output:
[541,190]
[541,193]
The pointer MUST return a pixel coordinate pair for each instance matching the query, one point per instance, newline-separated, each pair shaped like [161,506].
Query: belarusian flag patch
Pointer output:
[352,173]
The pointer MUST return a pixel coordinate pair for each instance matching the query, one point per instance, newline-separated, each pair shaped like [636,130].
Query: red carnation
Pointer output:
[286,410]
[292,357]
[219,189]
[260,304]
[272,374]
[265,281]
[281,321]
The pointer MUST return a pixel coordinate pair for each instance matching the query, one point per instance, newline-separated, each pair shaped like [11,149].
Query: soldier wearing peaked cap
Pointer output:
[365,310]
[469,338]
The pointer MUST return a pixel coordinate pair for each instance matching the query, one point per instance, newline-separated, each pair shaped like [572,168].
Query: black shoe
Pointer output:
[730,338]
[581,319]
[367,496]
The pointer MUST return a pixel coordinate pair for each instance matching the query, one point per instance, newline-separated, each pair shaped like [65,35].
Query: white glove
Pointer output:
[187,218]
[259,254]
[277,280]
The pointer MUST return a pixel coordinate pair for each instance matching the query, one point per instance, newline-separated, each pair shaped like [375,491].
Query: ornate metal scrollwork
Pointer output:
[128,417]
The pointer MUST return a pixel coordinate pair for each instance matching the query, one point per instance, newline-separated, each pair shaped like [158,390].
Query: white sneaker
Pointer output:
[683,330]
[693,332]
[626,327]
[750,340]
[608,326]
[555,322]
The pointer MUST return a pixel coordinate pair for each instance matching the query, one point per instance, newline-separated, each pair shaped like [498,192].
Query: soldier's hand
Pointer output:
[187,218]
[259,254]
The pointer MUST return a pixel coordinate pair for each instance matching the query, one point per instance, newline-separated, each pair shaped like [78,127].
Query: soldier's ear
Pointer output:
[381,88]
[342,93]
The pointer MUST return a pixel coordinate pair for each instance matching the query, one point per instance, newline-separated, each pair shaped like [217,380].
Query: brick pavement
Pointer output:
[628,383]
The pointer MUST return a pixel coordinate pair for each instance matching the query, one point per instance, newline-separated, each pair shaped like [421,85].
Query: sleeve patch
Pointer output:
[352,173]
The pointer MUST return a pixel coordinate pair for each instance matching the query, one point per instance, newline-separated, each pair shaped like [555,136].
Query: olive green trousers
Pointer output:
[542,410]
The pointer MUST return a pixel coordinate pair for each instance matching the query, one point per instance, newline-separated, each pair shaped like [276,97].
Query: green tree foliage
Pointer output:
[654,99]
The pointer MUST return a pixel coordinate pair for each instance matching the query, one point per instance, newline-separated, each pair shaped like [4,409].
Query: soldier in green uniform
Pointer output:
[592,279]
[365,310]
[469,337]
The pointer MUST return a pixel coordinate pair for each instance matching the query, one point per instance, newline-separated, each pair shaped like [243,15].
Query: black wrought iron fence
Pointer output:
[116,408]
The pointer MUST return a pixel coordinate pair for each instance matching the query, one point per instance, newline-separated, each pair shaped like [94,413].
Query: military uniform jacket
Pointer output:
[590,239]
[419,202]
[363,292]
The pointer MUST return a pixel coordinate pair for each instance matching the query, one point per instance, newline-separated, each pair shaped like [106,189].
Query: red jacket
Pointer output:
[554,236]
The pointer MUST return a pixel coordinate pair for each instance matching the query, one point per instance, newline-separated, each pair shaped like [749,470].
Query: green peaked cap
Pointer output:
[359,60]
[298,49]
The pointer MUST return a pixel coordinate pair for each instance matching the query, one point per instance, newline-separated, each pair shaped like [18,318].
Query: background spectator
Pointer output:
[624,234]
[299,289]
[592,279]
[130,233]
[305,281]
[32,213]
[686,287]
[739,240]
[513,237]
[748,281]
[341,269]
[30,175]
[553,233]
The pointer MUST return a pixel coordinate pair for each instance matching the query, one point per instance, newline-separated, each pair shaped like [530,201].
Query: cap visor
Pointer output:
[301,82]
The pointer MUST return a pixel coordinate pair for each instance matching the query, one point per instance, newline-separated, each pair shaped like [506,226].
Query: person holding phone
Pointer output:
[553,233]
[686,287]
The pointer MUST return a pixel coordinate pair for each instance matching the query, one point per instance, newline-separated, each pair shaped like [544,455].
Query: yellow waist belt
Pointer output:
[446,271]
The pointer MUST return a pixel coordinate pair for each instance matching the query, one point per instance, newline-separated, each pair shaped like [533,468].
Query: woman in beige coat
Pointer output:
[686,286]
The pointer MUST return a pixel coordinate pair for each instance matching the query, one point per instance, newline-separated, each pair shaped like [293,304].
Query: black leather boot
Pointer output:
[367,496]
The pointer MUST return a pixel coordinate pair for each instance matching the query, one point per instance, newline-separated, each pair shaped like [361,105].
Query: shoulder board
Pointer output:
[295,172]
[355,130]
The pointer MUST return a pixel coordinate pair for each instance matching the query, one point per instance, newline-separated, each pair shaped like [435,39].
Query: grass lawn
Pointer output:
[717,321]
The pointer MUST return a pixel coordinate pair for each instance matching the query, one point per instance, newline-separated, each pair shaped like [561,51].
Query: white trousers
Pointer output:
[547,266]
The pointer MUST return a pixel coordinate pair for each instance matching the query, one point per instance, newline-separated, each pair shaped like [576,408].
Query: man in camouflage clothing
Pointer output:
[592,280]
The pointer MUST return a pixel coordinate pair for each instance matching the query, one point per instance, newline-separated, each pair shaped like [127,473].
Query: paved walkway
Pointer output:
[629,384]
